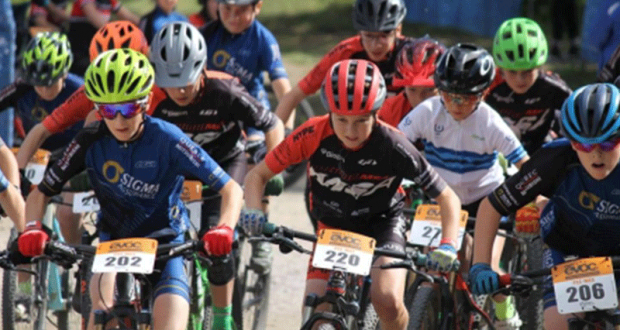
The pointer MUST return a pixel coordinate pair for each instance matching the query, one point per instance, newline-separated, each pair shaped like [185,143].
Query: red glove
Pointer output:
[527,220]
[218,240]
[32,241]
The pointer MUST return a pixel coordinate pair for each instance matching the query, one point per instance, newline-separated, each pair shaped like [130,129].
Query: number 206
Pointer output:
[585,293]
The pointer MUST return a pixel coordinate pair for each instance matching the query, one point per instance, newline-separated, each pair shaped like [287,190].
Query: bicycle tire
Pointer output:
[371,319]
[424,309]
[255,315]
[201,312]
[69,317]
[294,172]
[531,307]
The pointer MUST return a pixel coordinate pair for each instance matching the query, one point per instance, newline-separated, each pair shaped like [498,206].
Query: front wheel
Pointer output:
[424,311]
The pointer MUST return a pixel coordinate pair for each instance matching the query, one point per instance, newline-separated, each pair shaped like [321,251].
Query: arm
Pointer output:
[281,86]
[58,12]
[41,21]
[13,204]
[487,223]
[126,14]
[288,103]
[92,116]
[8,165]
[35,205]
[522,161]
[450,209]
[254,185]
[93,16]
[35,138]
[232,199]
[274,136]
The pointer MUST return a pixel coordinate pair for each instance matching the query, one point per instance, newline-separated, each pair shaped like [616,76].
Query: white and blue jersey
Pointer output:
[245,56]
[139,183]
[4,182]
[464,152]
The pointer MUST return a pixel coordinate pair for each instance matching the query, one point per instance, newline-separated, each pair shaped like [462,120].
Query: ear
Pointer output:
[257,7]
[399,30]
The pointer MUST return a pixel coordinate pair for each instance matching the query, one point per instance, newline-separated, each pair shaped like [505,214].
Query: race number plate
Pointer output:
[130,255]
[343,250]
[35,169]
[85,202]
[585,285]
[192,196]
[426,229]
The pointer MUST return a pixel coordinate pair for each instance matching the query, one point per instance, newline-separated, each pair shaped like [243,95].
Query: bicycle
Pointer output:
[582,286]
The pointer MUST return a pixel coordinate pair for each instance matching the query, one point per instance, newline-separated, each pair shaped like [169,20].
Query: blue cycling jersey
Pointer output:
[138,184]
[4,183]
[583,214]
[245,56]
[32,109]
[152,22]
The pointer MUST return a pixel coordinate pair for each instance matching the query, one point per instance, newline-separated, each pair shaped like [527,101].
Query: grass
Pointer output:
[308,29]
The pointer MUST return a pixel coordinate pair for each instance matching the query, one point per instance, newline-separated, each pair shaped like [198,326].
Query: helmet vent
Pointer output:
[521,51]
[123,80]
[511,55]
[92,88]
[132,86]
[111,77]
[519,28]
[186,52]
[99,81]
[507,35]
[163,54]
[532,33]
[147,84]
[126,43]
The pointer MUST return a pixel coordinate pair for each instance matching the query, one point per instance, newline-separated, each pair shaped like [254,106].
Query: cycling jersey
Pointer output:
[583,214]
[350,188]
[245,56]
[611,70]
[394,109]
[531,115]
[351,49]
[152,22]
[138,184]
[78,106]
[198,19]
[81,31]
[216,118]
[464,152]
[4,182]
[32,109]
[41,11]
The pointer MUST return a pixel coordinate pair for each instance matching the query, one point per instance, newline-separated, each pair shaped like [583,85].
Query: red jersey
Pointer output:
[78,106]
[104,7]
[394,109]
[351,49]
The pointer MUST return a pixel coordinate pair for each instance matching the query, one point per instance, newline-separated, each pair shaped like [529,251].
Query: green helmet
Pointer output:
[117,76]
[519,44]
[47,57]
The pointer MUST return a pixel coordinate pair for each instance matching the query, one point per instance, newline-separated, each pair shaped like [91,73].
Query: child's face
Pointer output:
[378,44]
[49,93]
[520,81]
[598,163]
[183,96]
[237,18]
[460,106]
[352,131]
[167,6]
[124,129]
[417,94]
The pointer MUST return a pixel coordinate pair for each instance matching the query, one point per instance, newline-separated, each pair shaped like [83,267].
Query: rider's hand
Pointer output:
[482,279]
[32,241]
[442,258]
[274,186]
[527,220]
[252,221]
[24,184]
[218,240]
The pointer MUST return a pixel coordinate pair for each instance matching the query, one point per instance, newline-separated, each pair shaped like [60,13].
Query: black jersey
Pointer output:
[215,120]
[531,115]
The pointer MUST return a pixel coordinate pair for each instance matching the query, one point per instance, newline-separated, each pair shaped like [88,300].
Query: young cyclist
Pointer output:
[212,108]
[11,201]
[49,14]
[379,41]
[46,84]
[139,189]
[356,164]
[415,66]
[163,13]
[118,34]
[529,98]
[207,13]
[580,176]
[462,136]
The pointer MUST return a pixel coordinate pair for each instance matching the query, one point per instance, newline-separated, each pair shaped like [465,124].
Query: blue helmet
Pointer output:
[591,115]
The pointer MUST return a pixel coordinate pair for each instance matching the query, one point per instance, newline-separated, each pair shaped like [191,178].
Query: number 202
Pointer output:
[122,261]
[353,260]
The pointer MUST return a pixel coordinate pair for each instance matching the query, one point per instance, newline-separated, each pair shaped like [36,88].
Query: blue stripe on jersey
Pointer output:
[4,183]
[516,155]
[458,161]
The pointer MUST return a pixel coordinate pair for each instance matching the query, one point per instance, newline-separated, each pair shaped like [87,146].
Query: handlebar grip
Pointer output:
[505,280]
[269,228]
[421,259]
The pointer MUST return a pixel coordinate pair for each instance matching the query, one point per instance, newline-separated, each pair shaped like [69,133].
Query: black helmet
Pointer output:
[464,69]
[591,114]
[378,15]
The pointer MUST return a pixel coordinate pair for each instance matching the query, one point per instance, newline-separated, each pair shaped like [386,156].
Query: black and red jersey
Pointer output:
[351,49]
[218,115]
[531,115]
[354,186]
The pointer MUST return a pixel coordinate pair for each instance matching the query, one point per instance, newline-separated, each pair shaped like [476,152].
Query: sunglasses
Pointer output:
[127,110]
[460,99]
[605,146]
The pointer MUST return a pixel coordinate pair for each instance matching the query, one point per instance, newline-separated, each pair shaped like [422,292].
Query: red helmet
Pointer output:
[118,34]
[353,87]
[415,63]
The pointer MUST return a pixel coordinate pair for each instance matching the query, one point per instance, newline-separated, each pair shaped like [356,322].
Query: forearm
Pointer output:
[232,199]
[522,161]
[58,12]
[14,206]
[281,86]
[487,223]
[288,103]
[8,165]
[450,210]
[35,205]
[274,136]
[254,186]
[127,15]
[34,140]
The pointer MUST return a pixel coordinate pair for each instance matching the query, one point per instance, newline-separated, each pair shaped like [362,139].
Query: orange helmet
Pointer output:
[415,63]
[118,34]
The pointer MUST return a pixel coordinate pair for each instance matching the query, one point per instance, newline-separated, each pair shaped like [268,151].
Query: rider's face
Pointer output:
[183,96]
[417,94]
[460,106]
[520,81]
[49,93]
[124,129]
[237,18]
[167,6]
[378,44]
[352,131]
[598,163]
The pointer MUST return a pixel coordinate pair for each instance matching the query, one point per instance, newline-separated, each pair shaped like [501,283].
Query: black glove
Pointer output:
[15,256]
[25,185]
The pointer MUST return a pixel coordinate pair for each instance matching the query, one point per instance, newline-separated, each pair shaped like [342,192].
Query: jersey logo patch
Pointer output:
[356,190]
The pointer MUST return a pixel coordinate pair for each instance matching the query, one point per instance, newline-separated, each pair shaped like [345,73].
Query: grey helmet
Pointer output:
[378,15]
[178,54]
